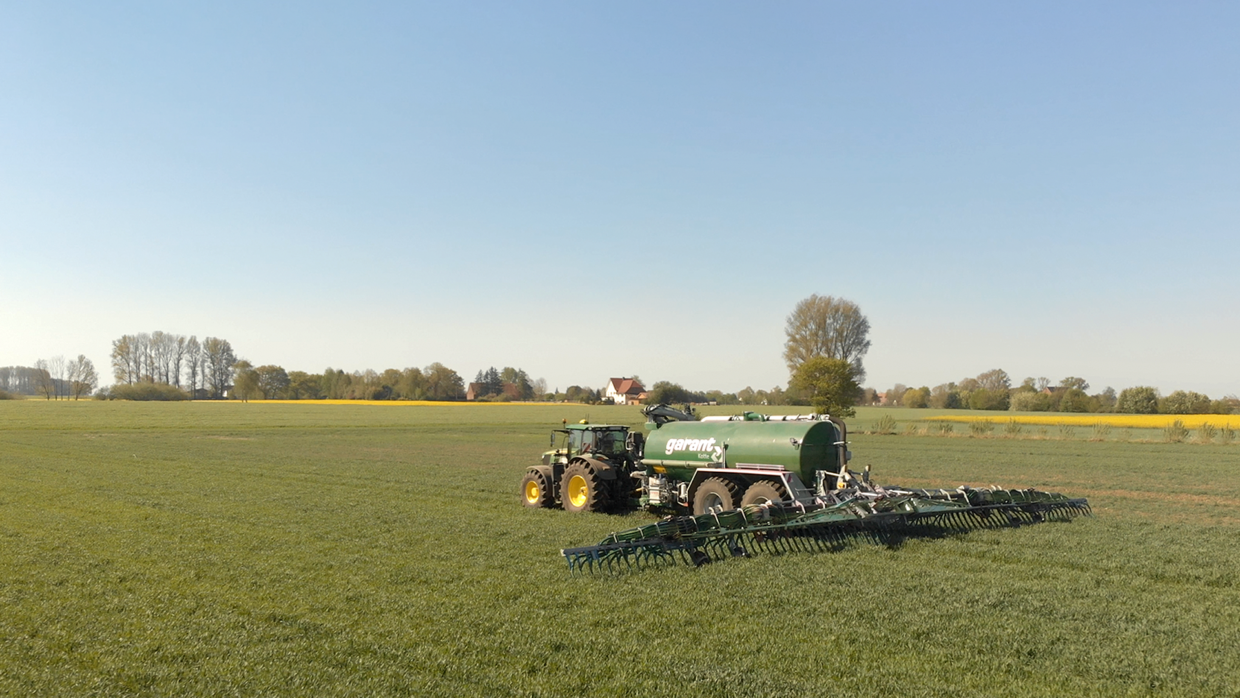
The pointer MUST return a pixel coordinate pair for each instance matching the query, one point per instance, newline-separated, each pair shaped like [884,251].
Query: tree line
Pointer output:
[272,382]
[993,390]
[203,369]
[53,379]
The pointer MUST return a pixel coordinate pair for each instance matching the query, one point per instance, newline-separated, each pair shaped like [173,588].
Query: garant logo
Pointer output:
[705,448]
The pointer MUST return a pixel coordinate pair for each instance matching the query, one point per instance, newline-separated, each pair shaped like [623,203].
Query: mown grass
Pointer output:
[223,549]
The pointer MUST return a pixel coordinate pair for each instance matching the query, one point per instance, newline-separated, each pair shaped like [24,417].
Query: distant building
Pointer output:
[625,391]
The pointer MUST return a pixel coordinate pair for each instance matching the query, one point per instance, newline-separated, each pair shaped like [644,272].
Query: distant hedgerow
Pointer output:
[145,391]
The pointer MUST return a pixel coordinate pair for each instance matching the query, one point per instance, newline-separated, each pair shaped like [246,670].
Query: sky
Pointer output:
[589,190]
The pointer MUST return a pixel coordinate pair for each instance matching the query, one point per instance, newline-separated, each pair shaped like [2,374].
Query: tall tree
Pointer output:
[828,327]
[520,379]
[412,385]
[123,369]
[81,377]
[219,359]
[57,368]
[303,386]
[442,383]
[245,385]
[44,381]
[272,381]
[193,364]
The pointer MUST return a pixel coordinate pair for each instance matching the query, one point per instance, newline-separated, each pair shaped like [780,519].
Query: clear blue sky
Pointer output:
[587,190]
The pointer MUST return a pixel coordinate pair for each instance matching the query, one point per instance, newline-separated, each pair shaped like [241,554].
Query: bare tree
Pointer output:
[996,381]
[193,364]
[828,327]
[218,359]
[177,355]
[82,377]
[56,367]
[43,379]
[123,369]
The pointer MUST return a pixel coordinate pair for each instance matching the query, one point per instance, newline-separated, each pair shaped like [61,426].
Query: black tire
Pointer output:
[715,494]
[581,489]
[763,492]
[536,491]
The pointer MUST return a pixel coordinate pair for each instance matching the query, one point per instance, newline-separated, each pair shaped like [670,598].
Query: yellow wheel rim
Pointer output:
[578,491]
[531,492]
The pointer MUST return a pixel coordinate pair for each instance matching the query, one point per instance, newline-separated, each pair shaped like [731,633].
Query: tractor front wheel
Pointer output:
[534,491]
[763,492]
[582,489]
[714,495]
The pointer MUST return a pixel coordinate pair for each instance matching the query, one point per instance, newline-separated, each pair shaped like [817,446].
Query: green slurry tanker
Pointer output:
[752,482]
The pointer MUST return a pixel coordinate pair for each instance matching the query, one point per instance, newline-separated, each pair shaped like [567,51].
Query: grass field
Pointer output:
[269,549]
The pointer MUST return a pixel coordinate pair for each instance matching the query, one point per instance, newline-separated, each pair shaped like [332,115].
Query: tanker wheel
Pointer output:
[534,491]
[763,492]
[582,489]
[714,495]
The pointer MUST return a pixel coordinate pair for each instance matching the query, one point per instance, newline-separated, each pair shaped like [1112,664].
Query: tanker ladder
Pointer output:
[885,517]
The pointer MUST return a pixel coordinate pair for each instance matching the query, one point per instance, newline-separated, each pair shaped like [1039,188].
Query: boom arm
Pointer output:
[662,414]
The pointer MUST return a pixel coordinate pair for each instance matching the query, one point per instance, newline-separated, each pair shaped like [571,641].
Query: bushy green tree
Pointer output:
[917,398]
[272,381]
[1030,401]
[245,383]
[442,383]
[1141,399]
[1182,402]
[1075,400]
[303,386]
[1105,400]
[945,397]
[830,384]
[520,379]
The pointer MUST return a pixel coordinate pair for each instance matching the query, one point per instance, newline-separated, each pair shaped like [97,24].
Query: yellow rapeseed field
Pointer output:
[1140,421]
[423,403]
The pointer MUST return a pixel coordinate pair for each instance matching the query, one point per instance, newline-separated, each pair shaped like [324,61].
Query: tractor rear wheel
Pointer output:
[582,489]
[535,492]
[763,492]
[714,495]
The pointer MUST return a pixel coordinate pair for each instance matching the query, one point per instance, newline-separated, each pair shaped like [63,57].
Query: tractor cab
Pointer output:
[606,441]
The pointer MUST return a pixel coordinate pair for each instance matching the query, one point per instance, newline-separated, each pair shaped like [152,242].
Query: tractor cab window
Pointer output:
[580,441]
[611,443]
[587,441]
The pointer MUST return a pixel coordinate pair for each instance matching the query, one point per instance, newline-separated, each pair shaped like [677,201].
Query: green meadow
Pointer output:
[254,549]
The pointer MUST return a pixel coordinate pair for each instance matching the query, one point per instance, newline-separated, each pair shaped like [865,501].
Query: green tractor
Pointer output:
[590,467]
